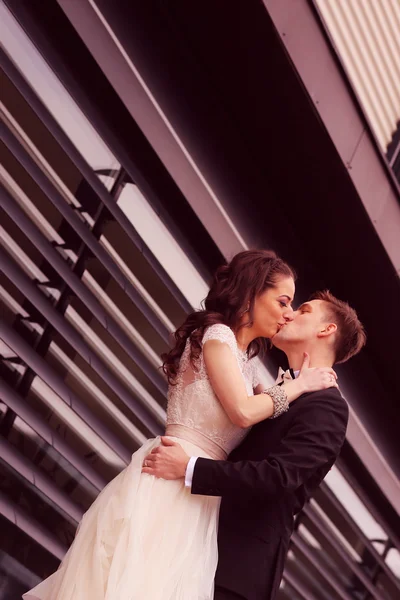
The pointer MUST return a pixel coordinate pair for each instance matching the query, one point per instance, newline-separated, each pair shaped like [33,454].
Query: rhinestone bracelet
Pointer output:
[279,399]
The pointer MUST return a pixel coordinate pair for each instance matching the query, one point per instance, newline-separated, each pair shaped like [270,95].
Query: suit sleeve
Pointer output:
[313,440]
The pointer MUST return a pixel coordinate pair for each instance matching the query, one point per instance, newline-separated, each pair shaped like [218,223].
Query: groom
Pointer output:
[268,478]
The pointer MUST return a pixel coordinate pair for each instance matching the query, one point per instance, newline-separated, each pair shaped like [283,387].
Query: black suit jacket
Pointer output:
[264,483]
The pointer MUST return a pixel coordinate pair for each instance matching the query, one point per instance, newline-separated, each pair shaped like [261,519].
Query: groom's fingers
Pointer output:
[168,442]
[156,455]
[151,465]
[150,459]
[160,449]
[168,463]
[149,471]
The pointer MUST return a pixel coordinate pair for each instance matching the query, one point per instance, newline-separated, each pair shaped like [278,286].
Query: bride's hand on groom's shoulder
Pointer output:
[313,379]
[167,461]
[310,379]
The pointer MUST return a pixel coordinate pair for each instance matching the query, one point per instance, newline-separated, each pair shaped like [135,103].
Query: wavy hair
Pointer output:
[233,292]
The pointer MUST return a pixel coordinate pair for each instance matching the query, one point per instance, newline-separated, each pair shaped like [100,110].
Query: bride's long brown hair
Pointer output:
[232,293]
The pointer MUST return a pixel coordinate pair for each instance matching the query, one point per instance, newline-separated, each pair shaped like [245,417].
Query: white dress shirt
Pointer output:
[192,461]
[190,471]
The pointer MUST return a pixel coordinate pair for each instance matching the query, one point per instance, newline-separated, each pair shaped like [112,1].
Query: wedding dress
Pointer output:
[145,538]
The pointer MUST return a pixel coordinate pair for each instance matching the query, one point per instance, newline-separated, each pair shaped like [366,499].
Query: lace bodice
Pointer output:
[193,404]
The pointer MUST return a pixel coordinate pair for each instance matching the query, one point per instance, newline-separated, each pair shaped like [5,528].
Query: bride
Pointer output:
[145,538]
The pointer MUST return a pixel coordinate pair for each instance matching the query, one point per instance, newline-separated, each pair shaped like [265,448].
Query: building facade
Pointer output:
[143,145]
[366,38]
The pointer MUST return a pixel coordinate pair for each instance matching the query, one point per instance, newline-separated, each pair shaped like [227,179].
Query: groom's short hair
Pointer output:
[350,336]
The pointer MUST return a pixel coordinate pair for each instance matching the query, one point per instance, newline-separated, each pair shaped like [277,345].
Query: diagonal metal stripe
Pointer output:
[57,384]
[325,574]
[25,412]
[74,282]
[379,516]
[298,586]
[353,566]
[81,229]
[22,282]
[87,173]
[30,527]
[357,531]
[42,483]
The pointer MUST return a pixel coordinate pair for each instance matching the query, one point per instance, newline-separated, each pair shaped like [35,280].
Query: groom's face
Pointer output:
[308,321]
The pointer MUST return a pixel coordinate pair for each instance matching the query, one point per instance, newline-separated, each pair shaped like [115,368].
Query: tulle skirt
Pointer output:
[143,538]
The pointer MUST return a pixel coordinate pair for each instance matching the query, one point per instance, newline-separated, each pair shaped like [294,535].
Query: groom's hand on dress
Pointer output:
[167,461]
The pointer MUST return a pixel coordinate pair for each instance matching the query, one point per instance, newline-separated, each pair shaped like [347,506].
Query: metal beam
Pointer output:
[353,566]
[18,572]
[30,527]
[57,384]
[87,173]
[66,210]
[327,575]
[298,586]
[40,483]
[23,283]
[51,437]
[43,340]
[352,525]
[344,467]
[79,288]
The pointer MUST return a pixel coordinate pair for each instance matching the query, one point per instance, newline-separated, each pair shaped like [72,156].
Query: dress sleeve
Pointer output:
[223,334]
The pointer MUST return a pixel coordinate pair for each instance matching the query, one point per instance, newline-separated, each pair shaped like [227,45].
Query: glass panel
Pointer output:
[117,360]
[124,312]
[90,388]
[308,573]
[347,530]
[12,363]
[35,212]
[287,592]
[23,562]
[385,586]
[354,506]
[335,531]
[36,504]
[162,244]
[52,463]
[54,96]
[75,431]
[21,257]
[330,559]
[137,271]
[393,561]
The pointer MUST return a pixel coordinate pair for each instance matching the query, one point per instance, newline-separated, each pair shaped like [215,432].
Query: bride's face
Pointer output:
[273,308]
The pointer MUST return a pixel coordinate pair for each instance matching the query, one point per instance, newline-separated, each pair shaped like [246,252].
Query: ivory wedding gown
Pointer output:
[145,538]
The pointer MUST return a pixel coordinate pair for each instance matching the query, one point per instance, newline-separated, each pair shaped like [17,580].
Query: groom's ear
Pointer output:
[327,329]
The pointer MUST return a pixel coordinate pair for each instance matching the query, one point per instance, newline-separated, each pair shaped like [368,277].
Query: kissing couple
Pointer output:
[206,512]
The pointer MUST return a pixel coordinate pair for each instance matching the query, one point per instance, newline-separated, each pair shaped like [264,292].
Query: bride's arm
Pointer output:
[229,386]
